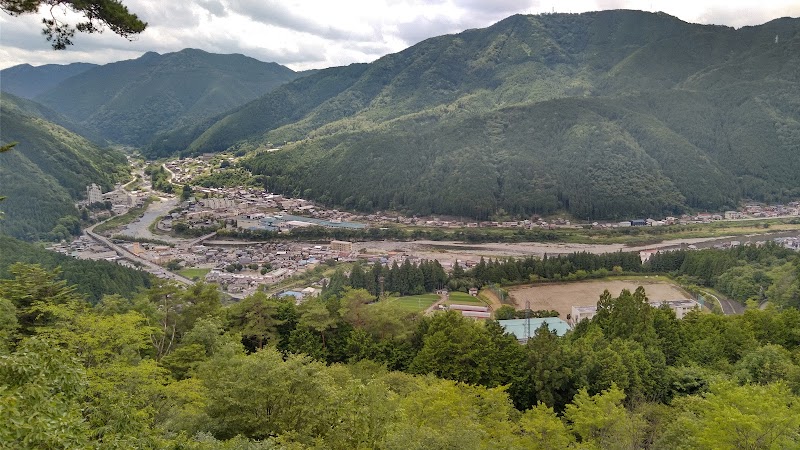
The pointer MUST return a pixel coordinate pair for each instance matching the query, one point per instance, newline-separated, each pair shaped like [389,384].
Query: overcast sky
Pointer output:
[306,34]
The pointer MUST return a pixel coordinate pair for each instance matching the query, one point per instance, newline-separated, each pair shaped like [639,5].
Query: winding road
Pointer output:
[729,307]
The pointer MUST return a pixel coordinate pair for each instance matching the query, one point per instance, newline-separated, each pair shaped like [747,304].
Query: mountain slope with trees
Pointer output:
[129,102]
[655,114]
[47,171]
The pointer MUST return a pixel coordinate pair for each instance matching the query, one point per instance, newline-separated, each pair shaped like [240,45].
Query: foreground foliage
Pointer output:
[172,367]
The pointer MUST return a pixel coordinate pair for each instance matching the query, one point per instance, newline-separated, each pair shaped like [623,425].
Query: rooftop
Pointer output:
[517,326]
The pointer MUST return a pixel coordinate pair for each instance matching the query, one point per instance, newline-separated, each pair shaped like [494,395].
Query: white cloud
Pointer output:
[307,34]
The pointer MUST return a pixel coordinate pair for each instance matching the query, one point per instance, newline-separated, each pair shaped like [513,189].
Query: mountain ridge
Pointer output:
[129,102]
[648,60]
[27,81]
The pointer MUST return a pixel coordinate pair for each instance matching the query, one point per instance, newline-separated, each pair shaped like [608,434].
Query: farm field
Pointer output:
[415,303]
[462,298]
[563,296]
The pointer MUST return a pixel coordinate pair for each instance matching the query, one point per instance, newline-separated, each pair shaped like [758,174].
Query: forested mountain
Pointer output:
[28,81]
[47,171]
[129,102]
[602,114]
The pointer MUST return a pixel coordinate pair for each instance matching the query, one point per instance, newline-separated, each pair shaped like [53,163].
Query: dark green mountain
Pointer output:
[129,102]
[603,114]
[28,81]
[47,171]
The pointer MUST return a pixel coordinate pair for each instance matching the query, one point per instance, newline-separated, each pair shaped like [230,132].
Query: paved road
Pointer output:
[153,268]
[729,307]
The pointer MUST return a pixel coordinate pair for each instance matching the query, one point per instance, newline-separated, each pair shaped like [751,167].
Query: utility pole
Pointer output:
[527,320]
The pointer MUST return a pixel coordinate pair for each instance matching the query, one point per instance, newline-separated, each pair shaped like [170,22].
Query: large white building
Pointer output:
[93,194]
[681,308]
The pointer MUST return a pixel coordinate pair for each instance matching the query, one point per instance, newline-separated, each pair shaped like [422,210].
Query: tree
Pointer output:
[41,390]
[601,419]
[256,317]
[505,312]
[263,395]
[737,417]
[162,310]
[456,348]
[547,378]
[544,430]
[186,192]
[99,14]
[32,291]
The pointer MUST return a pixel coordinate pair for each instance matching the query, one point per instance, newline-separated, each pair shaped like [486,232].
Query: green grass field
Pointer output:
[193,273]
[462,298]
[415,303]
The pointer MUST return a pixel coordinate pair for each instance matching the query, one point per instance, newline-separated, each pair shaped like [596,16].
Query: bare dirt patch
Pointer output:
[563,296]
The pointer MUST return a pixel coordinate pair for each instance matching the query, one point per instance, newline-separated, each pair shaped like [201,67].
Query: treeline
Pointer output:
[405,279]
[93,279]
[395,233]
[173,368]
[759,273]
[410,278]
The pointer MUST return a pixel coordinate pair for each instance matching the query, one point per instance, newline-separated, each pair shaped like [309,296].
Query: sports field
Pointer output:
[462,298]
[415,303]
[193,273]
[563,296]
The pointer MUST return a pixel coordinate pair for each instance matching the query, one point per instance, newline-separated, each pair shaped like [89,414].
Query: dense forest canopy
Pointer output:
[173,367]
[657,115]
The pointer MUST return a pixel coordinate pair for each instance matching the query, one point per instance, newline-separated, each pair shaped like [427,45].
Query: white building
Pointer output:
[93,194]
[681,308]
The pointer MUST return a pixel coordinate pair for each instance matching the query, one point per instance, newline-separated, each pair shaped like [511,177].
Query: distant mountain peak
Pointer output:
[129,102]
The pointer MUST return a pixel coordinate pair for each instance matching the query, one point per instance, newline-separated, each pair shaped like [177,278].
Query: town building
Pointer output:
[93,194]
[341,246]
[681,307]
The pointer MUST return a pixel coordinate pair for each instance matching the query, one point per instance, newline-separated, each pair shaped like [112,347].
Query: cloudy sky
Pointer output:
[306,34]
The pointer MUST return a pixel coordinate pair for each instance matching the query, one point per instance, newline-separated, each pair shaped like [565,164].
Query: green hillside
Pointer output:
[47,171]
[129,102]
[603,114]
